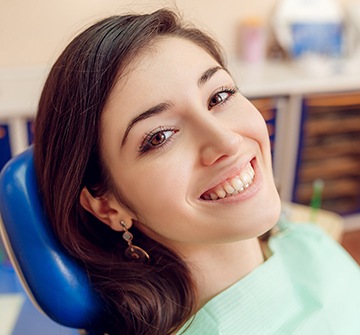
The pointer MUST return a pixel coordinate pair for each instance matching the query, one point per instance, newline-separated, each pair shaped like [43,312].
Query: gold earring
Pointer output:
[133,252]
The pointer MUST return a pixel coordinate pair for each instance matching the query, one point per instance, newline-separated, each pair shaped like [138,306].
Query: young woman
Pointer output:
[156,174]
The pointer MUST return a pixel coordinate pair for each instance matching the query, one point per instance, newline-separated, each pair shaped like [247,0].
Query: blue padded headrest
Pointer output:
[56,282]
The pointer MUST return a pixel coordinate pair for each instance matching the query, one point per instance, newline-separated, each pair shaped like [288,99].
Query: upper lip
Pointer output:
[227,173]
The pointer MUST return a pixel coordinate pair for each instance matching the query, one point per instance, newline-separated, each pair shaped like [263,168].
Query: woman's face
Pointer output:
[188,152]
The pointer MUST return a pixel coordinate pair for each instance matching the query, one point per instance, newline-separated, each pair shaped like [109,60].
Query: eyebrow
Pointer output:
[206,76]
[162,107]
[149,113]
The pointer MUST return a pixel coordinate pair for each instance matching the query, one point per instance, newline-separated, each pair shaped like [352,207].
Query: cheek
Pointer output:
[156,185]
[256,129]
[265,138]
[254,126]
[158,197]
[251,121]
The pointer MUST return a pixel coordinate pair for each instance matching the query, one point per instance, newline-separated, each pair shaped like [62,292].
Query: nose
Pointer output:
[218,141]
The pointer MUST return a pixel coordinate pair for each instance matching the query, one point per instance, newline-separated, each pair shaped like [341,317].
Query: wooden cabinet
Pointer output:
[329,149]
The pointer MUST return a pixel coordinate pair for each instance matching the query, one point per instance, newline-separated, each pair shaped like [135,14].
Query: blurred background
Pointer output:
[34,32]
[298,61]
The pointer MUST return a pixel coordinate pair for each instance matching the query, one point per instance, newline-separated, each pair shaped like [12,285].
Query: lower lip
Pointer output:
[244,195]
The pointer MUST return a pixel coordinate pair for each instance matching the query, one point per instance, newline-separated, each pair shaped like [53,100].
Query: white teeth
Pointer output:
[251,171]
[234,186]
[228,188]
[245,178]
[213,196]
[236,183]
[220,192]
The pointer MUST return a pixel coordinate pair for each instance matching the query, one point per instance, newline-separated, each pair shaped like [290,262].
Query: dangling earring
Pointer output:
[133,252]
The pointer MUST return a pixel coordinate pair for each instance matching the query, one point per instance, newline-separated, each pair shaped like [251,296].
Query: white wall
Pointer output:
[33,32]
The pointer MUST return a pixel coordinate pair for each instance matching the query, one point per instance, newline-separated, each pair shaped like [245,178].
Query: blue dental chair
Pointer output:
[55,283]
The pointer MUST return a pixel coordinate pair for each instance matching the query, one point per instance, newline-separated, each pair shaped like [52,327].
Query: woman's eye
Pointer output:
[159,138]
[156,139]
[220,97]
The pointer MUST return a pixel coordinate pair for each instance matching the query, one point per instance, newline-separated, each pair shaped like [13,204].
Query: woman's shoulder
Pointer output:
[322,273]
[304,240]
[306,248]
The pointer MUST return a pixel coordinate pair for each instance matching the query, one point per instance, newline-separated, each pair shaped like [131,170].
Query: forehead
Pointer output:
[165,65]
[167,58]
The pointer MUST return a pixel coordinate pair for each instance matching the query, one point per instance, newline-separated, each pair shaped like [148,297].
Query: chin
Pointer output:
[265,216]
[270,215]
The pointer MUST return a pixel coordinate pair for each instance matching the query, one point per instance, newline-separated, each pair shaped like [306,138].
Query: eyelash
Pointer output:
[229,90]
[146,144]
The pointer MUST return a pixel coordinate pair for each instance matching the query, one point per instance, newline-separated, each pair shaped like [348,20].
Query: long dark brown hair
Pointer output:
[154,298]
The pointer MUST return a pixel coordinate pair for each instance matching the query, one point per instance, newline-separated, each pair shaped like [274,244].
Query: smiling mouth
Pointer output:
[231,186]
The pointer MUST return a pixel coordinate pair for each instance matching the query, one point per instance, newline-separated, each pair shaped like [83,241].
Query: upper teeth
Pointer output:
[232,186]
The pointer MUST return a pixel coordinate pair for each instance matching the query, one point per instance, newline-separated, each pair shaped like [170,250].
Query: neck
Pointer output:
[217,267]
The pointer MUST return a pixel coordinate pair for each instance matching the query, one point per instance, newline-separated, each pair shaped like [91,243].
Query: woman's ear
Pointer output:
[105,208]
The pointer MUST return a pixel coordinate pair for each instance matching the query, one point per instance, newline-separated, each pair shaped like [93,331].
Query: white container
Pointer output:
[310,26]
